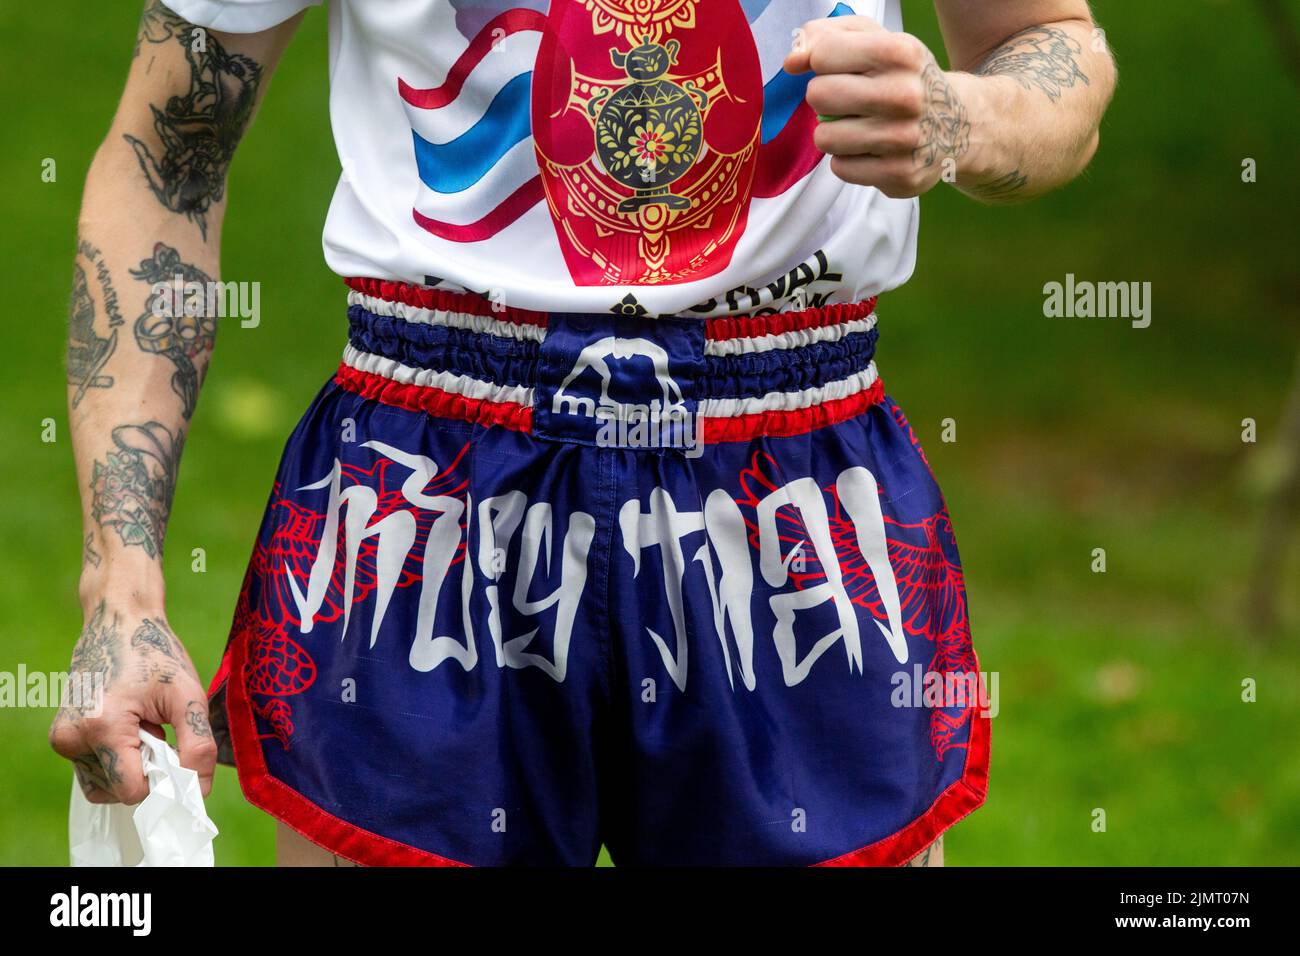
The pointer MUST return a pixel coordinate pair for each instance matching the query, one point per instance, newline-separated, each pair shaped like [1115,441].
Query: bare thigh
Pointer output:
[294,849]
[932,855]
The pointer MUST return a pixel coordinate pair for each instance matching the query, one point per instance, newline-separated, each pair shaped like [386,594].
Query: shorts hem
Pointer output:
[961,798]
[290,807]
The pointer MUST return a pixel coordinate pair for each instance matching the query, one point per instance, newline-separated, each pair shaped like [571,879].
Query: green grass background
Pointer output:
[1118,691]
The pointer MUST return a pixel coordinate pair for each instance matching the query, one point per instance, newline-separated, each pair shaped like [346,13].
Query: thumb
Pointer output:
[187,712]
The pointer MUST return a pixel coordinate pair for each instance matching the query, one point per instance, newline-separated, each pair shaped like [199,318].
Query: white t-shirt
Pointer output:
[588,156]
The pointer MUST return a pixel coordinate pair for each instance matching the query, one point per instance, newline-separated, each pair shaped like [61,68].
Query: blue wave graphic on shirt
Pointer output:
[785,91]
[456,165]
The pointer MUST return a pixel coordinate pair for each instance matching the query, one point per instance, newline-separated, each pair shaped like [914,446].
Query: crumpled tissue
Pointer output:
[168,828]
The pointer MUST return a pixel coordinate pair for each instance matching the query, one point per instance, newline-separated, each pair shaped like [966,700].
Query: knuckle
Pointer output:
[204,750]
[133,792]
[899,187]
[909,97]
[817,55]
[911,52]
[96,726]
[900,137]
[817,91]
[846,171]
[824,137]
[64,739]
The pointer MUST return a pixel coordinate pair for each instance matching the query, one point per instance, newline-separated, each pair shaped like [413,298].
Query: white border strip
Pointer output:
[790,401]
[462,385]
[455,320]
[478,390]
[519,394]
[793,339]
[744,345]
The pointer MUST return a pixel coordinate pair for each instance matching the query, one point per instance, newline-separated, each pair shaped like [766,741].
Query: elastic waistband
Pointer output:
[585,378]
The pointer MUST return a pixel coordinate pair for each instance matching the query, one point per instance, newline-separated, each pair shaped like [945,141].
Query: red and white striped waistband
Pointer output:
[463,356]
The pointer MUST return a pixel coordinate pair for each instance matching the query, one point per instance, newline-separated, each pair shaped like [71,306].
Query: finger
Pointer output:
[869,53]
[90,777]
[846,94]
[188,715]
[866,136]
[114,740]
[813,33]
[894,176]
[68,740]
[121,771]
[66,737]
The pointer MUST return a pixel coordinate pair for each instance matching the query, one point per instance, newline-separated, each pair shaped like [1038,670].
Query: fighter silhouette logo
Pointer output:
[594,358]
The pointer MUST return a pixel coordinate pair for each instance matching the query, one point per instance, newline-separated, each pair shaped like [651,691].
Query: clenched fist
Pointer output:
[888,115]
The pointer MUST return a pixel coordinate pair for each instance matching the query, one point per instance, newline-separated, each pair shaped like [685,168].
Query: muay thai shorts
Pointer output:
[529,584]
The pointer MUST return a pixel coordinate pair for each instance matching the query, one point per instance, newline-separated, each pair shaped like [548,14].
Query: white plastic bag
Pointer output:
[168,828]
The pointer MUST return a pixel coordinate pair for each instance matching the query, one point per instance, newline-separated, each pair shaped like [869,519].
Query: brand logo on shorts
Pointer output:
[662,419]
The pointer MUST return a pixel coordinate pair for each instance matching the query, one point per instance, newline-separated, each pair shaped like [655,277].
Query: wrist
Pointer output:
[125,586]
[984,100]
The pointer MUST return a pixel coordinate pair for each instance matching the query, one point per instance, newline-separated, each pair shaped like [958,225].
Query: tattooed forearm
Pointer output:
[165,329]
[196,132]
[1044,58]
[132,488]
[93,296]
[945,127]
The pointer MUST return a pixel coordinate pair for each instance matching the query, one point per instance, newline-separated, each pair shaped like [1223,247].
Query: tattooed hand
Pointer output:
[887,114]
[147,681]
[1015,121]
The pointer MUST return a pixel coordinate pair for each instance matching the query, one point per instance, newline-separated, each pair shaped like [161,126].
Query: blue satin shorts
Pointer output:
[528,584]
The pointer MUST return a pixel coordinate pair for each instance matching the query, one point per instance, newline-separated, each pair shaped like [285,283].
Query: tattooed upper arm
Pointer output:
[191,96]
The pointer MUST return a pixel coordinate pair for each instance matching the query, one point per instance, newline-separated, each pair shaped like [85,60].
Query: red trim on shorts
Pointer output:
[753,326]
[424,297]
[219,678]
[289,806]
[717,329]
[435,401]
[519,418]
[782,424]
[963,797]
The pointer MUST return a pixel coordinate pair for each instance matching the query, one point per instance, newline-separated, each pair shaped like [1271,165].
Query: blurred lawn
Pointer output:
[1118,691]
